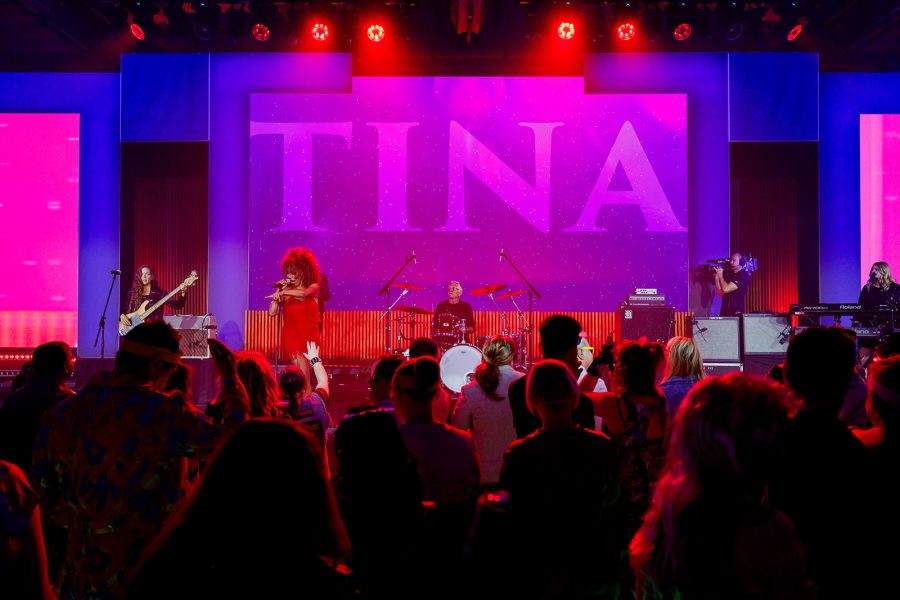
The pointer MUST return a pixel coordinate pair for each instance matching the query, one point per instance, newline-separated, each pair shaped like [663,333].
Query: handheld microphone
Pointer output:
[115,272]
[278,285]
[873,277]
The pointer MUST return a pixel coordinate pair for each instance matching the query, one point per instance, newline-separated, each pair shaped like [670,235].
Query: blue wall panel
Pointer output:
[773,97]
[95,96]
[233,77]
[703,77]
[165,97]
[844,97]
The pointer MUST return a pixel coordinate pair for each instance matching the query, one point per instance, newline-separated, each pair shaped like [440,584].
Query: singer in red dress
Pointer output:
[297,294]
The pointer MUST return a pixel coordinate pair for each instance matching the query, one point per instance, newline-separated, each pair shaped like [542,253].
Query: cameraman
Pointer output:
[732,285]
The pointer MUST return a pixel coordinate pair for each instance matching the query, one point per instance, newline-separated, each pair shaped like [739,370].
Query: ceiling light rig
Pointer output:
[335,25]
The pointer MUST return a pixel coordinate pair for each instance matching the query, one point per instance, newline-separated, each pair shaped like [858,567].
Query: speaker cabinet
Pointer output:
[194,331]
[656,323]
[717,338]
[766,333]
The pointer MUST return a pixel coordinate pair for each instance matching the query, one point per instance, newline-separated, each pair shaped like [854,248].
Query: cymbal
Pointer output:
[488,289]
[408,286]
[413,309]
[510,294]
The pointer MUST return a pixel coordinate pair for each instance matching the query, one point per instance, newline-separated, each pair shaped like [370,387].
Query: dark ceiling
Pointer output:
[90,35]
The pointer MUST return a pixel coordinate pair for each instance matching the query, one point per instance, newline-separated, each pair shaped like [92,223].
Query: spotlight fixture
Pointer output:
[375,32]
[566,30]
[734,31]
[262,20]
[795,32]
[142,12]
[138,32]
[626,32]
[260,32]
[682,32]
[320,32]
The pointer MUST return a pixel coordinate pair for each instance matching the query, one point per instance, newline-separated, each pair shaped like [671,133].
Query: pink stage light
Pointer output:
[626,31]
[566,30]
[682,32]
[795,32]
[320,32]
[375,33]
[261,32]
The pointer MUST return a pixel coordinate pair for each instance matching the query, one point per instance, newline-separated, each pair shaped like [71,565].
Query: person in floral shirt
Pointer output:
[110,464]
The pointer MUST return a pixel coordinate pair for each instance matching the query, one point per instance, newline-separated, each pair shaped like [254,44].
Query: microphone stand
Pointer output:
[532,292]
[386,291]
[101,329]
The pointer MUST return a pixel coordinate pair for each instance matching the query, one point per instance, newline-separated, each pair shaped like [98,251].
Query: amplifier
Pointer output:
[194,331]
[722,368]
[717,338]
[645,300]
[766,333]
[656,323]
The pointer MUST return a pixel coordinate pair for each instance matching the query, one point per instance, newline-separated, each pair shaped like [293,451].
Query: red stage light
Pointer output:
[375,33]
[566,30]
[137,32]
[320,32]
[260,32]
[795,32]
[626,31]
[682,32]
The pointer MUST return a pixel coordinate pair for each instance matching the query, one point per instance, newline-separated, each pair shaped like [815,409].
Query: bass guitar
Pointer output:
[132,320]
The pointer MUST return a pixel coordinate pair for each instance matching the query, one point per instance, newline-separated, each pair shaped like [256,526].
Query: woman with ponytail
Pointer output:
[483,409]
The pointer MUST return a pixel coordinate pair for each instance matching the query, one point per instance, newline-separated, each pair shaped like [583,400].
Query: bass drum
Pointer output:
[458,366]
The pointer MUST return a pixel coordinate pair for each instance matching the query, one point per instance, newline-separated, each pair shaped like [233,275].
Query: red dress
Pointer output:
[300,325]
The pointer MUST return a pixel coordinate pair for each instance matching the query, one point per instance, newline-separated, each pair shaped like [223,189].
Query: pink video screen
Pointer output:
[39,156]
[879,191]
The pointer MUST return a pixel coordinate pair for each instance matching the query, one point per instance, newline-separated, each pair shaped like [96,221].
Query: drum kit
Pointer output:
[459,357]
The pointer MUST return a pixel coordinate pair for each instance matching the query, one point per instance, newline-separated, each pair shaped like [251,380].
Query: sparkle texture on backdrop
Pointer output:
[39,178]
[587,193]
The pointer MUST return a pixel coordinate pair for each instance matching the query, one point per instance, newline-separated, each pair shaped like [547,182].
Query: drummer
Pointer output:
[451,313]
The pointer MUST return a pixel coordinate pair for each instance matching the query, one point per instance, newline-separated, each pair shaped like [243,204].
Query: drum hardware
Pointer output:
[488,289]
[386,292]
[510,294]
[525,322]
[408,286]
[413,310]
[458,366]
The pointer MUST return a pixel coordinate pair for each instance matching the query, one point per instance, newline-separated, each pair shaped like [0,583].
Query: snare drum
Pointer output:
[458,366]
[445,332]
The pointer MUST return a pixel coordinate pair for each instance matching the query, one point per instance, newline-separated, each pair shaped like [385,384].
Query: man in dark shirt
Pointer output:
[451,315]
[821,475]
[563,496]
[21,413]
[559,340]
[732,285]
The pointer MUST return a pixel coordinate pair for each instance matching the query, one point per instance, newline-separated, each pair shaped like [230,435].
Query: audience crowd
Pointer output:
[628,475]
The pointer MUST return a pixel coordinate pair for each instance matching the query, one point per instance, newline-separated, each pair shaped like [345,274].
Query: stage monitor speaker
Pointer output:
[194,331]
[722,368]
[656,323]
[717,338]
[766,333]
